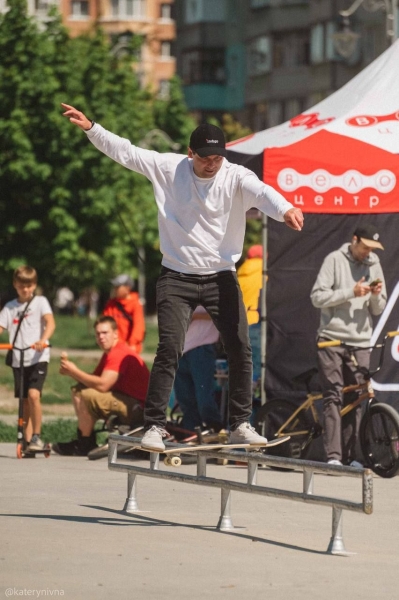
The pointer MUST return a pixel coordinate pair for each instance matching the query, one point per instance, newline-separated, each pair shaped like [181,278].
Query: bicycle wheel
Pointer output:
[272,415]
[379,439]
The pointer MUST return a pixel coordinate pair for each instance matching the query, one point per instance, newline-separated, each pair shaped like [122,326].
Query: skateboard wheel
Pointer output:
[19,451]
[175,461]
[166,461]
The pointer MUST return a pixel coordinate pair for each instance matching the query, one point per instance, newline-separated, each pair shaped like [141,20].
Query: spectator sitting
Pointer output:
[118,386]
[126,308]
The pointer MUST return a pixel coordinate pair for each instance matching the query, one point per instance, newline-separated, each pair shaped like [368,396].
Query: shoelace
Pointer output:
[159,430]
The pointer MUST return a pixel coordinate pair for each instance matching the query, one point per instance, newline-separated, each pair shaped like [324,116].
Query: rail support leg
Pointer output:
[252,472]
[336,545]
[154,461]
[112,452]
[201,466]
[131,500]
[308,481]
[225,523]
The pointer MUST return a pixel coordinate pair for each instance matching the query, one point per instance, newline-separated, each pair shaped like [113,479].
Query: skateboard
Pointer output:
[172,455]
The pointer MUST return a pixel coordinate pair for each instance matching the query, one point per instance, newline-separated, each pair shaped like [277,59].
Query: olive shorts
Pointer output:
[101,405]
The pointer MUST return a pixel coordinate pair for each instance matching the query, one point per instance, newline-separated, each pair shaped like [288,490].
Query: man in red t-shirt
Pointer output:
[117,386]
[126,308]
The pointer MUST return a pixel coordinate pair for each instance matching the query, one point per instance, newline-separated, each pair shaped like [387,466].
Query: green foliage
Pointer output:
[172,116]
[68,210]
[59,430]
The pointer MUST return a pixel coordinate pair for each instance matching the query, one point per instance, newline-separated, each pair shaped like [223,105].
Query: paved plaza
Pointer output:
[64,534]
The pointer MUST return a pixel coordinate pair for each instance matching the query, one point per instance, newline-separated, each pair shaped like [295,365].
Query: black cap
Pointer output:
[369,235]
[207,140]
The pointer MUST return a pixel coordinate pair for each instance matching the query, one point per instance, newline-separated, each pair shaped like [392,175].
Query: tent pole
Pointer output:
[263,329]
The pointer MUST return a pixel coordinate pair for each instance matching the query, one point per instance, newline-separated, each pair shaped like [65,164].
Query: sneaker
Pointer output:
[67,448]
[152,439]
[356,464]
[246,434]
[36,444]
[334,461]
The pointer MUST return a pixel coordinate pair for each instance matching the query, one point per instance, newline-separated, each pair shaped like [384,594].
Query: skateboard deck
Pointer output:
[172,454]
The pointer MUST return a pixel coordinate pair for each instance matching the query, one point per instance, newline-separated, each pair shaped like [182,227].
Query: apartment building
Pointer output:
[269,60]
[151,19]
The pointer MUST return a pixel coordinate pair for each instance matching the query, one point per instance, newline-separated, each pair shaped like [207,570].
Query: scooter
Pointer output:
[22,451]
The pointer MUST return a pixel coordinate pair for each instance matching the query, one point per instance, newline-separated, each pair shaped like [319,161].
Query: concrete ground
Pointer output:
[64,533]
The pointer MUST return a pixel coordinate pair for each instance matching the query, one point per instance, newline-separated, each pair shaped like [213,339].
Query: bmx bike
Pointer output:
[379,426]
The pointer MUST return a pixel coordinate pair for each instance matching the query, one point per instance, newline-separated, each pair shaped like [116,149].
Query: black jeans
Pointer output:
[178,295]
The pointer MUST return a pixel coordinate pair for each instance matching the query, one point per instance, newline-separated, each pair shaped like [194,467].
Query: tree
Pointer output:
[63,201]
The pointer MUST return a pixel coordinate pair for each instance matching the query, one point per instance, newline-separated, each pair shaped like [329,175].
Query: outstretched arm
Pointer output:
[77,117]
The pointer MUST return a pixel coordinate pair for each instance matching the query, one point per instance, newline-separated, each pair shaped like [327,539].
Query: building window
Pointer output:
[166,11]
[204,66]
[128,8]
[79,9]
[322,43]
[166,49]
[293,108]
[164,89]
[208,11]
[260,56]
[275,113]
[291,50]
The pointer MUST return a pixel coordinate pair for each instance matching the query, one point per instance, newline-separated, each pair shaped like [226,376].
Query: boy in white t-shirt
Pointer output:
[36,329]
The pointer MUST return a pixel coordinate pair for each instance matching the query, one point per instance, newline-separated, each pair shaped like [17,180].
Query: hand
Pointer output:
[65,365]
[77,117]
[376,289]
[294,218]
[40,346]
[360,289]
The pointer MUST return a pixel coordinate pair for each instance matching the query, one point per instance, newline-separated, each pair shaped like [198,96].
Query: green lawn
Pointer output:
[60,430]
[77,332]
[56,388]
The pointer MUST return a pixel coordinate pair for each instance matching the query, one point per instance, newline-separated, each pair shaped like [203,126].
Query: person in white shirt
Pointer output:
[30,324]
[195,380]
[202,202]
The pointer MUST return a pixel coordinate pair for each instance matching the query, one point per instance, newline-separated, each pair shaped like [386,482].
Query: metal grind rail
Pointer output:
[253,460]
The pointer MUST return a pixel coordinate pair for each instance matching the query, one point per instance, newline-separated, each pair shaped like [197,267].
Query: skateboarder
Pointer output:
[202,202]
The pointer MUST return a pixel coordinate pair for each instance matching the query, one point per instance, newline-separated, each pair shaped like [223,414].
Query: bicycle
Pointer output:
[379,426]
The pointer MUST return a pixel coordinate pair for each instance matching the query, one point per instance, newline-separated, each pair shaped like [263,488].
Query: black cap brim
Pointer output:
[204,152]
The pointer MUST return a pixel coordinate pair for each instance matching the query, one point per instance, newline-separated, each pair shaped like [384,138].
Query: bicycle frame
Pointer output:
[365,387]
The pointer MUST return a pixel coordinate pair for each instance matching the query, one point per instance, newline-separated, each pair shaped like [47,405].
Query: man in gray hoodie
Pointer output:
[349,290]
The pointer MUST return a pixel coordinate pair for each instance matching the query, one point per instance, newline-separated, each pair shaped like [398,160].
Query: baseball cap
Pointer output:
[122,280]
[369,235]
[207,140]
[255,251]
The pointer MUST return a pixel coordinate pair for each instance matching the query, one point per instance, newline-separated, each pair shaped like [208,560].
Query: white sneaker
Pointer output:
[36,444]
[246,434]
[334,461]
[356,464]
[152,439]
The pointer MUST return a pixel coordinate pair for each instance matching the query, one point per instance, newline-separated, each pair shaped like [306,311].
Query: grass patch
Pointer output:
[60,430]
[78,332]
[56,387]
